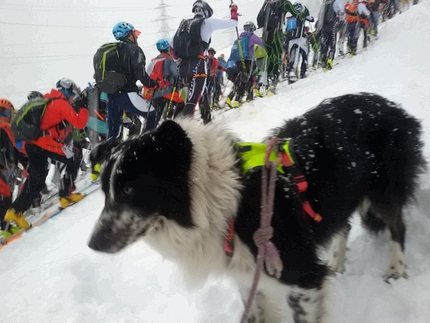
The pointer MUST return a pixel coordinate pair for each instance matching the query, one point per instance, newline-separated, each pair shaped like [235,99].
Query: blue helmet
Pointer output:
[122,30]
[162,45]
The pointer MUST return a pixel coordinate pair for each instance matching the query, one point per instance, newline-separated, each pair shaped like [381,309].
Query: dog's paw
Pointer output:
[395,272]
[397,267]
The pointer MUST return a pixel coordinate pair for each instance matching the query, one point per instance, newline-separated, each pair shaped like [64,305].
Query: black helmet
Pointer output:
[211,50]
[34,94]
[201,8]
[67,87]
[249,26]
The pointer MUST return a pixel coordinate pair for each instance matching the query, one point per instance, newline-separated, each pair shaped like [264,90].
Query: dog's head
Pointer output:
[146,184]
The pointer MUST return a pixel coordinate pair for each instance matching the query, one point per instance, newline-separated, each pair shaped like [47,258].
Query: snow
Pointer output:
[50,275]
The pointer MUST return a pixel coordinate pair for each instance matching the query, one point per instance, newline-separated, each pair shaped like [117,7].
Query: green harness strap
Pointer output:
[253,153]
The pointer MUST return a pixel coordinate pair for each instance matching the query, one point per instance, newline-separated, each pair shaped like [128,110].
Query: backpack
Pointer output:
[187,42]
[155,71]
[107,68]
[26,123]
[235,54]
[291,24]
[329,14]
[270,14]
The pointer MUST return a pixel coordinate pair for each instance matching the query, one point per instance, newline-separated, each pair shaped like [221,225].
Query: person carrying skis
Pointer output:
[242,55]
[298,42]
[126,66]
[327,21]
[56,143]
[9,158]
[190,42]
[164,71]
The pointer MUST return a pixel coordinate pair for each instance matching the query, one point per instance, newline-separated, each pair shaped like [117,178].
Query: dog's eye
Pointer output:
[127,190]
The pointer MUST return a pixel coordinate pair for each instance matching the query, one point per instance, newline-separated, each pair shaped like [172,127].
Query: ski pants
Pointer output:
[242,82]
[364,24]
[293,63]
[133,103]
[341,28]
[274,49]
[328,42]
[38,170]
[353,33]
[193,74]
[374,17]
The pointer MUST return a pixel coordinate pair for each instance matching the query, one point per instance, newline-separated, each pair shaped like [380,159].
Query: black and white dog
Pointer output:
[180,186]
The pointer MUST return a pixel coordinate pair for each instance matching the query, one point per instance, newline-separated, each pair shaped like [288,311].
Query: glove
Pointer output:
[310,19]
[233,12]
[80,101]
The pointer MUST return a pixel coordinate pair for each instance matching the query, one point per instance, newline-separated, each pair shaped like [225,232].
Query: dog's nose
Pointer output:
[101,239]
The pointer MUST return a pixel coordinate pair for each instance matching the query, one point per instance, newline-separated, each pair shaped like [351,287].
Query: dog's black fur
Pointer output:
[358,152]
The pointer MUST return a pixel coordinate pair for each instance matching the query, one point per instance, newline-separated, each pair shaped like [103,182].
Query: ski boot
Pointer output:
[236,104]
[17,217]
[329,63]
[229,103]
[72,198]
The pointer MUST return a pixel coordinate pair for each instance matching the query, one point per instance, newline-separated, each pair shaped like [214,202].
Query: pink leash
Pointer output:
[267,252]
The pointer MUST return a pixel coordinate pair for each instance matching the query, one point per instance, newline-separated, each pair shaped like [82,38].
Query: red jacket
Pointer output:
[58,111]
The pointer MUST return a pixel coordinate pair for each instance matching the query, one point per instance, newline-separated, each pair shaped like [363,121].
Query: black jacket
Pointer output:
[133,67]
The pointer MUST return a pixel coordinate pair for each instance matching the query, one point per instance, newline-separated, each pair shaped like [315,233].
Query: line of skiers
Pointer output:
[185,74]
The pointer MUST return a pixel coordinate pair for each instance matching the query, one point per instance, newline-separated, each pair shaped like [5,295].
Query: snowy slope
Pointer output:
[50,275]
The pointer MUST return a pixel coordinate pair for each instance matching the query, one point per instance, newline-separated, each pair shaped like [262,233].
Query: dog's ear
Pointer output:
[103,150]
[171,148]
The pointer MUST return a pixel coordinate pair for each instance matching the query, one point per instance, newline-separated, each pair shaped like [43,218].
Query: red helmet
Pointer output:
[6,108]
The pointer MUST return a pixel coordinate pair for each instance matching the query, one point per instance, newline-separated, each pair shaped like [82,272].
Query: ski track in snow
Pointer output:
[50,275]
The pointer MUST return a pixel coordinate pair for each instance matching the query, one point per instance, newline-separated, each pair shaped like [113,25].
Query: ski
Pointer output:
[38,218]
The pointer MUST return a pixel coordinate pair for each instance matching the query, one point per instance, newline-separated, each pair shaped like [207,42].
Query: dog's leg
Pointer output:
[338,248]
[307,305]
[396,267]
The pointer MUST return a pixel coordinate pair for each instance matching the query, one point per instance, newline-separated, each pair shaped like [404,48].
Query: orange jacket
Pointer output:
[351,11]
[53,123]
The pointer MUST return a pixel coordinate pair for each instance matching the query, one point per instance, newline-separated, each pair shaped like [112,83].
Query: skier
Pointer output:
[189,43]
[9,158]
[56,143]
[164,71]
[130,64]
[214,84]
[353,12]
[327,21]
[220,73]
[298,43]
[244,65]
[373,6]
[339,8]
[271,18]
[364,21]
